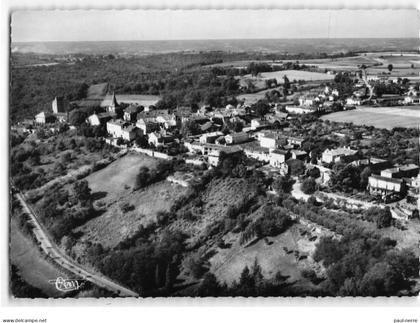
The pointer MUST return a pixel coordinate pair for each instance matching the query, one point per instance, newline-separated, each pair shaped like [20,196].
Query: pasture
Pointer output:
[384,117]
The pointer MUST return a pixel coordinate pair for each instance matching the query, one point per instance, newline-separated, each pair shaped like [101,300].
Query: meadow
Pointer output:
[385,117]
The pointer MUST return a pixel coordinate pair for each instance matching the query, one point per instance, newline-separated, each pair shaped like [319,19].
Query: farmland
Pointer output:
[388,117]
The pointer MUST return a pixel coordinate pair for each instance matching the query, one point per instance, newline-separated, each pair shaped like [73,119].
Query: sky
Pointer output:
[104,25]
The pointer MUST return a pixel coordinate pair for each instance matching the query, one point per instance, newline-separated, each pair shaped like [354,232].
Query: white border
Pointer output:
[186,309]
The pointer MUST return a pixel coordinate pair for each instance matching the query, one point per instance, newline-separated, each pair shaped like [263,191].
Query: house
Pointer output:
[160,139]
[258,124]
[393,172]
[44,117]
[100,118]
[236,138]
[344,154]
[299,154]
[353,101]
[130,113]
[169,120]
[295,141]
[121,129]
[308,100]
[148,125]
[409,170]
[380,185]
[209,138]
[300,109]
[270,139]
[215,153]
[258,153]
[278,157]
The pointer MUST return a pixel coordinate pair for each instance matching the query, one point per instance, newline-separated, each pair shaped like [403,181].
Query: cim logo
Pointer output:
[67,285]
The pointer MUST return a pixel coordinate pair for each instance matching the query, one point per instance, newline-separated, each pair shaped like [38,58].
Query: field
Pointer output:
[113,187]
[279,253]
[388,117]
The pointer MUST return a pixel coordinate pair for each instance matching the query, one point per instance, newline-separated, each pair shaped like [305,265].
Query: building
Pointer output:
[121,129]
[59,105]
[258,153]
[299,154]
[44,117]
[270,139]
[210,138]
[114,106]
[148,125]
[259,124]
[300,109]
[344,154]
[60,109]
[353,101]
[100,118]
[295,141]
[215,153]
[236,138]
[278,157]
[130,113]
[409,170]
[380,185]
[160,139]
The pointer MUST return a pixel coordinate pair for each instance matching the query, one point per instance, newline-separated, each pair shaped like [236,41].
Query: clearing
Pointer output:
[384,117]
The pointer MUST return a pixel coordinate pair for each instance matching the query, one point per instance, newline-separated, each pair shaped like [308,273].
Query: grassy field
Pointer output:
[228,264]
[33,268]
[386,117]
[113,186]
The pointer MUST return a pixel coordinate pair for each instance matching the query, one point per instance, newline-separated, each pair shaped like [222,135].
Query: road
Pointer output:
[50,248]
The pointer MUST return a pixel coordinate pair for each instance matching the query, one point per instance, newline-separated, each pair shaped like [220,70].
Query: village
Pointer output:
[201,136]
[276,169]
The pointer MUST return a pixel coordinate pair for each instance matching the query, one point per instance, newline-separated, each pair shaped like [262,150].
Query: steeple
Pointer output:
[114,102]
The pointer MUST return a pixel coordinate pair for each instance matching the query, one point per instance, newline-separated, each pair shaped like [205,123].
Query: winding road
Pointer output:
[50,248]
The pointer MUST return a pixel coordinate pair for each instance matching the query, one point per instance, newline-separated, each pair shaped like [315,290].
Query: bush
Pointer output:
[308,186]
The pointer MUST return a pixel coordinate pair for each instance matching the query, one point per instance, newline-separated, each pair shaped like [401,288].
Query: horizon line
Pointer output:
[220,39]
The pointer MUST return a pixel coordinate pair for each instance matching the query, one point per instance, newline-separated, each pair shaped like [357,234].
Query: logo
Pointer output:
[67,285]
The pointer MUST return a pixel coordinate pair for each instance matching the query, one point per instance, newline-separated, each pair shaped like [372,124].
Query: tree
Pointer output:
[77,117]
[283,184]
[308,186]
[261,108]
[296,167]
[364,177]
[209,287]
[390,67]
[384,218]
[143,177]
[82,191]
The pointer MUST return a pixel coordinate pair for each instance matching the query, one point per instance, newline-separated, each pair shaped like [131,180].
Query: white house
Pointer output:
[335,155]
[121,129]
[209,138]
[236,138]
[277,157]
[353,101]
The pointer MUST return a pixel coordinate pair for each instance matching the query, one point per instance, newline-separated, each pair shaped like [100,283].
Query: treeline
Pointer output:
[61,211]
[360,264]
